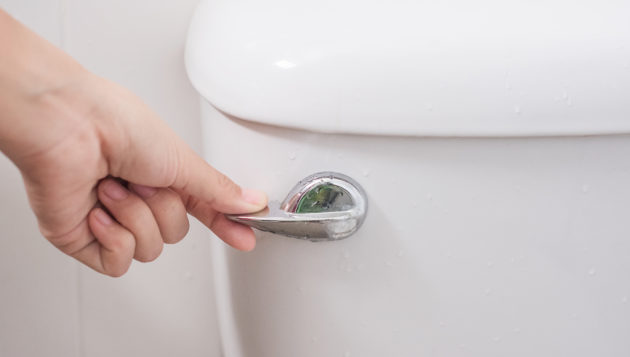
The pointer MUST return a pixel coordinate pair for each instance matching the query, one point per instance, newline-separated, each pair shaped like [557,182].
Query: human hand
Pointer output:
[78,139]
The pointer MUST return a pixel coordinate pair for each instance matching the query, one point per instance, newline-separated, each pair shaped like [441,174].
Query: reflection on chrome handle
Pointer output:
[323,206]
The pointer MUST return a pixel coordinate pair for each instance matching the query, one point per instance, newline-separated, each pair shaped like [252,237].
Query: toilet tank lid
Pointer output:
[417,68]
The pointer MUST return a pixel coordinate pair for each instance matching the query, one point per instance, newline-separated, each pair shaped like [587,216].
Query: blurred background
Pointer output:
[49,304]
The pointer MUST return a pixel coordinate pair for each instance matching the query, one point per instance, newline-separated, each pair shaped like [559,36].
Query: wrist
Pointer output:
[29,64]
[35,78]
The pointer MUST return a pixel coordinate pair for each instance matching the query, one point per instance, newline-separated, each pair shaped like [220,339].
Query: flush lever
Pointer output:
[323,206]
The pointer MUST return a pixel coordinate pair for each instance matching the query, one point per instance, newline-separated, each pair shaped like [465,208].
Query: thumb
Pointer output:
[198,179]
[156,156]
[151,154]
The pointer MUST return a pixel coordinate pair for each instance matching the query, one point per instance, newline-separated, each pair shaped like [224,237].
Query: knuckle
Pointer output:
[225,183]
[118,267]
[117,271]
[172,203]
[184,230]
[149,254]
[214,221]
[192,203]
[117,246]
[124,244]
[137,218]
[179,233]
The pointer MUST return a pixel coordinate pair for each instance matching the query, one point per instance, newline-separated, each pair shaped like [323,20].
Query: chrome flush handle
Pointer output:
[323,206]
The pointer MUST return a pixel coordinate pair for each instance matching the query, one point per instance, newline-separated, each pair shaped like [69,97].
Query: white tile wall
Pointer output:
[52,306]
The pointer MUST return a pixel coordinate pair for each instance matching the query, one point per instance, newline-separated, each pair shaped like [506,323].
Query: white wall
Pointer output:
[49,304]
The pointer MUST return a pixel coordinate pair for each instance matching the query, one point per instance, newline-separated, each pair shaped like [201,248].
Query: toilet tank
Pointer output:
[491,139]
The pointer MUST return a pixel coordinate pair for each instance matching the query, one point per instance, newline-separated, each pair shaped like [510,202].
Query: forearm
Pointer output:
[31,72]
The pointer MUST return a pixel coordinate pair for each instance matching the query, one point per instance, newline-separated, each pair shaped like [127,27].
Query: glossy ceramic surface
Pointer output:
[482,68]
[471,247]
[489,246]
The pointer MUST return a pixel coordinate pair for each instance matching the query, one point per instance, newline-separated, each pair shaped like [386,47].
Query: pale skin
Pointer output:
[108,181]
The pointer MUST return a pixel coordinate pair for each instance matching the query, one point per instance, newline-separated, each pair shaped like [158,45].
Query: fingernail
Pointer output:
[103,217]
[114,190]
[143,191]
[255,197]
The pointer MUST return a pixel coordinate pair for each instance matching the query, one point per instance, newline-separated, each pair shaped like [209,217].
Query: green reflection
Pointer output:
[324,198]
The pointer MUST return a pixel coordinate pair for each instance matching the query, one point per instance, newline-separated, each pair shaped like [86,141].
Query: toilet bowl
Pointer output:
[491,141]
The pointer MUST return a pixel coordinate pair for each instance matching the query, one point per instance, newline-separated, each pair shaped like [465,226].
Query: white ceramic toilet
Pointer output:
[491,140]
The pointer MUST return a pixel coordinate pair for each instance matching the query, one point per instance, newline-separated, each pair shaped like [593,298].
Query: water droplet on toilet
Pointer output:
[429,107]
[585,188]
[490,264]
[389,264]
[496,339]
[346,254]
[292,156]
[591,272]
[624,300]
[366,173]
[565,95]
[517,110]
[517,330]
[430,196]
[400,253]
[487,291]
[442,323]
[188,276]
